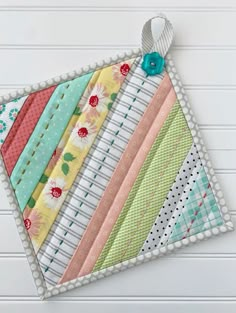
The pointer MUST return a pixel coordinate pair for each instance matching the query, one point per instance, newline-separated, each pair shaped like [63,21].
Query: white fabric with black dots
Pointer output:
[180,205]
[171,203]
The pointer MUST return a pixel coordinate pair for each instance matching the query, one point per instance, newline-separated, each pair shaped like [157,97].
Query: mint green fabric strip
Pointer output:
[149,191]
[200,211]
[46,136]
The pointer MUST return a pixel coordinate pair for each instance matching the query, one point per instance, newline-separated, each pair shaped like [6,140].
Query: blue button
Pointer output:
[153,63]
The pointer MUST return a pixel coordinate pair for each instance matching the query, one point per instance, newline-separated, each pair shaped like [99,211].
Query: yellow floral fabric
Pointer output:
[50,193]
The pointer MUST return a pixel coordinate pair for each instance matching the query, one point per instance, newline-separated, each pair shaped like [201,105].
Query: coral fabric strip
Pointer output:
[149,191]
[84,129]
[8,114]
[45,137]
[170,204]
[137,142]
[24,126]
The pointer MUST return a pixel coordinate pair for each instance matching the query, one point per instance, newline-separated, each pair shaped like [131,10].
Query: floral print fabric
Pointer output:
[68,157]
[8,114]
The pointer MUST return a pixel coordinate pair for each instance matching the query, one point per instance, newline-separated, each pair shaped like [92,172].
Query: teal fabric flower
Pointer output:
[3,126]
[13,114]
[153,63]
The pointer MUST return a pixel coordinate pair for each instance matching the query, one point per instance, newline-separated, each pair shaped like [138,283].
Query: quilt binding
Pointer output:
[46,292]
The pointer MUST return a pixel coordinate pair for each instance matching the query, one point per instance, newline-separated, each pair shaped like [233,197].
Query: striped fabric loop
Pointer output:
[163,42]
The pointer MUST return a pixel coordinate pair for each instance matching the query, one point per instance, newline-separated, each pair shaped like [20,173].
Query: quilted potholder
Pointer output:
[105,167]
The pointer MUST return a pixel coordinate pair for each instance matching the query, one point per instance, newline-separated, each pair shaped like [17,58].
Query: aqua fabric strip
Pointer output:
[200,211]
[47,134]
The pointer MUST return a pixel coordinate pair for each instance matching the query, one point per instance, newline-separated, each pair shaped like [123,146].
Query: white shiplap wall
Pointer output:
[40,39]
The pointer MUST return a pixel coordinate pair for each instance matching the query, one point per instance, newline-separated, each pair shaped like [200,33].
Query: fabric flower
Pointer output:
[83,134]
[54,191]
[97,99]
[32,221]
[153,63]
[3,126]
[13,114]
[120,71]
[2,108]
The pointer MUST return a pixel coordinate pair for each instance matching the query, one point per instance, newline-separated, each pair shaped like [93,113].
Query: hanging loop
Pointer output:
[153,43]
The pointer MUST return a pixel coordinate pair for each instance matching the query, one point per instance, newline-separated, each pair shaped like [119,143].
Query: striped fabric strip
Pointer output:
[200,211]
[135,149]
[45,137]
[82,129]
[170,204]
[8,114]
[24,126]
[163,43]
[126,177]
[149,191]
[97,170]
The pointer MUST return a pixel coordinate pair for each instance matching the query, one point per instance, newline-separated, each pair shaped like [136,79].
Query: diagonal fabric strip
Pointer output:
[24,126]
[129,178]
[200,211]
[180,205]
[135,143]
[57,153]
[99,94]
[170,204]
[149,191]
[8,114]
[99,165]
[44,219]
[44,139]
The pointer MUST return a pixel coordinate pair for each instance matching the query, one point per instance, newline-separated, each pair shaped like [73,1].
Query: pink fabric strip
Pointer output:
[108,211]
[24,126]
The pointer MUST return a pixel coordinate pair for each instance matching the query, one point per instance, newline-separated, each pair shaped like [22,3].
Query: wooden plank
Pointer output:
[174,277]
[212,106]
[126,306]
[67,27]
[122,3]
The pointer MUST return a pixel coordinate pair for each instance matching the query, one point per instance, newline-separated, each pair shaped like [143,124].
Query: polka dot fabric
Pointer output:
[170,204]
[24,126]
[177,213]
